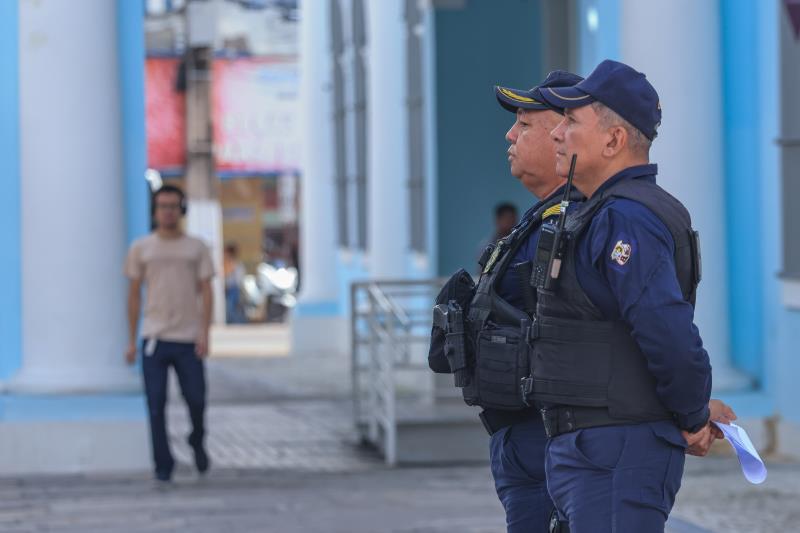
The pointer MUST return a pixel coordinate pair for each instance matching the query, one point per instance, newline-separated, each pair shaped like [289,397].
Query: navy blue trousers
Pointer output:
[517,455]
[191,376]
[616,479]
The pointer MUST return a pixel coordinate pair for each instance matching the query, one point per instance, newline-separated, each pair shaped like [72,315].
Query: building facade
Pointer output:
[405,156]
[404,160]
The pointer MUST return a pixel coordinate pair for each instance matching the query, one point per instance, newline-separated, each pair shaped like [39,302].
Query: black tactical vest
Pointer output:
[498,330]
[579,357]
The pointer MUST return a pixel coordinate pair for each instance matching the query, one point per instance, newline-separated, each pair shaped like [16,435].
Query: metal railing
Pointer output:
[390,323]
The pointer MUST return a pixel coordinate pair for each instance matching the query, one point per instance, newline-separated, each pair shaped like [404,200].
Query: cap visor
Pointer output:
[565,97]
[513,99]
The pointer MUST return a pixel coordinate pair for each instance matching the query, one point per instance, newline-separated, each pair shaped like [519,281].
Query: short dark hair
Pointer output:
[505,208]
[169,189]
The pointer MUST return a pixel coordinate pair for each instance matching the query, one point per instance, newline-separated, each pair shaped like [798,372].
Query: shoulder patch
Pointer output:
[551,211]
[621,253]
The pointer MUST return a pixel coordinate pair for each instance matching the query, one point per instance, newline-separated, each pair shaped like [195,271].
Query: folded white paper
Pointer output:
[752,466]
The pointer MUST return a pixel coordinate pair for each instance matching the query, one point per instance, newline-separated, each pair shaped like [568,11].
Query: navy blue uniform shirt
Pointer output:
[625,264]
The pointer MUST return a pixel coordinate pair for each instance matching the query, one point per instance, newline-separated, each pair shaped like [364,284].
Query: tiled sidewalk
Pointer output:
[311,436]
[285,459]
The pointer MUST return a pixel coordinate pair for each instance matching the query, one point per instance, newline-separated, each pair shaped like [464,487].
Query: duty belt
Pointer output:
[560,420]
[494,420]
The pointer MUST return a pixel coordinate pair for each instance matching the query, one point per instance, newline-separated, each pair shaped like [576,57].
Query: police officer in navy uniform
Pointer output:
[504,298]
[518,439]
[618,365]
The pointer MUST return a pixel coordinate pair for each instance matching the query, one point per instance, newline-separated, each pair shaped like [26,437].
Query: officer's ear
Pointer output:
[617,141]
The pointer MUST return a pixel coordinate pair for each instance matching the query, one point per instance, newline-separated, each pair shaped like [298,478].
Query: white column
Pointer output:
[388,146]
[73,225]
[318,323]
[683,63]
[317,200]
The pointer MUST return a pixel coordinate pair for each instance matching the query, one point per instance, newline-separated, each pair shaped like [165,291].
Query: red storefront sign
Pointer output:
[255,110]
[165,112]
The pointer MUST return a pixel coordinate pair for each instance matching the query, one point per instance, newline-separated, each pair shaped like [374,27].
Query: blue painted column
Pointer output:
[598,33]
[10,243]
[72,200]
[131,51]
[744,219]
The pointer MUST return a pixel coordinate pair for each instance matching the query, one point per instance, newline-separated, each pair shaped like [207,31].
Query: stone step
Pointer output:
[441,433]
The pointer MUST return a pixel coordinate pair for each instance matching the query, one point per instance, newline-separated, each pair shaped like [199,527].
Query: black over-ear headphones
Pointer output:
[168,189]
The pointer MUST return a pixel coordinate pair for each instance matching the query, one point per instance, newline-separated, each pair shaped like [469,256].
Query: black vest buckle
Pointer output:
[533,331]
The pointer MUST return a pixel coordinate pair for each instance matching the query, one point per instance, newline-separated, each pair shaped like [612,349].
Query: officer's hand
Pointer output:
[130,353]
[699,443]
[721,412]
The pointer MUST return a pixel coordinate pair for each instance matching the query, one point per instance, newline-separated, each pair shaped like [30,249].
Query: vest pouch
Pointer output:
[572,362]
[501,363]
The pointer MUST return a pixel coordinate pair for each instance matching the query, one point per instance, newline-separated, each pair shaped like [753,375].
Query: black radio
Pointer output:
[550,250]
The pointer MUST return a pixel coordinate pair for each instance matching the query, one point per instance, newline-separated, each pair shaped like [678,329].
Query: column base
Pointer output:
[73,447]
[729,379]
[316,329]
[57,380]
[73,434]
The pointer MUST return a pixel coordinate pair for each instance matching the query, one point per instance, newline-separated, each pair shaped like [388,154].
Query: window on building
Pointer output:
[339,124]
[360,119]
[416,126]
[349,48]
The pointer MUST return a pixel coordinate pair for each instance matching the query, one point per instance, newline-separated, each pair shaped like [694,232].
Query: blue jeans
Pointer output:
[616,478]
[191,376]
[517,455]
[233,307]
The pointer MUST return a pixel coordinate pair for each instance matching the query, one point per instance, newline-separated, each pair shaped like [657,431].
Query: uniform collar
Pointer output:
[529,213]
[648,171]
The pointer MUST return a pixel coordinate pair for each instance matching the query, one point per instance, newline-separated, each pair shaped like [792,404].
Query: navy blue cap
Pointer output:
[618,87]
[513,99]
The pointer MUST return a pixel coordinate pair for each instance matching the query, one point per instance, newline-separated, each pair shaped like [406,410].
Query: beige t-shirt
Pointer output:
[171,270]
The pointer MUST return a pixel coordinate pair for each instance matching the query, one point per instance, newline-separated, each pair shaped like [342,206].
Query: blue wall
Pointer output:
[10,266]
[476,48]
[598,33]
[131,53]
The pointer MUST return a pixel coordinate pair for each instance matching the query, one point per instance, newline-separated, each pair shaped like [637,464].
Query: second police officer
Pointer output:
[487,351]
[504,298]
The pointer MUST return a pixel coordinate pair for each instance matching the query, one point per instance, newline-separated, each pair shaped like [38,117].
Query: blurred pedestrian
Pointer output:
[234,274]
[175,271]
[505,218]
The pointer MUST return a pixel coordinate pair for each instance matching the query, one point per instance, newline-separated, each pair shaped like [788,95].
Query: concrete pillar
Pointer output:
[204,217]
[388,142]
[73,224]
[683,63]
[318,324]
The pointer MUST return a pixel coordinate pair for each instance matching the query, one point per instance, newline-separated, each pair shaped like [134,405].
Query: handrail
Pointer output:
[386,317]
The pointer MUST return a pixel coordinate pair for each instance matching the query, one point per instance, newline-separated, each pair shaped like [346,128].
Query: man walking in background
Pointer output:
[176,272]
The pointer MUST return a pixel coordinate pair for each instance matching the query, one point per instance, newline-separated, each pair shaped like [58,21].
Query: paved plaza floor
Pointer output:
[286,459]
